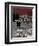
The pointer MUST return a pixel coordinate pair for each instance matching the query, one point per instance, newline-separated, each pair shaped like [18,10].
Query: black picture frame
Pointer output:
[7,22]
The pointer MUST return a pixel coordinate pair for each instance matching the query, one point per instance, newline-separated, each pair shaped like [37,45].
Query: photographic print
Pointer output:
[20,22]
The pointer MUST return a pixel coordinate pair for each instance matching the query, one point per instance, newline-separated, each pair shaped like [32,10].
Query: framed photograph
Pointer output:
[20,22]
